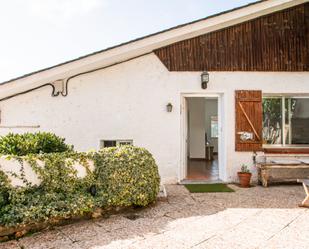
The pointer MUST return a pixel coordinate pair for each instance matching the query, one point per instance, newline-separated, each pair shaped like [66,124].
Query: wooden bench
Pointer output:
[305,202]
[282,169]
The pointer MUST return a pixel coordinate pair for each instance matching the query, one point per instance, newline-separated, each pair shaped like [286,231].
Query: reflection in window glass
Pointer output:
[296,121]
[214,126]
[295,130]
[272,120]
[114,143]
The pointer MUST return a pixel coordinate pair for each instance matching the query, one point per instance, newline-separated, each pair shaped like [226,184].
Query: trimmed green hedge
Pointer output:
[4,189]
[32,143]
[123,176]
[126,176]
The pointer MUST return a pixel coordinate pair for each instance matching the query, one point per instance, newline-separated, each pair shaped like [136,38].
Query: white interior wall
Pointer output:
[128,101]
[200,111]
[197,127]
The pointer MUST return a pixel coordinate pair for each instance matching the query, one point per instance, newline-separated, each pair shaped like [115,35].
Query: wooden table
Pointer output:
[272,172]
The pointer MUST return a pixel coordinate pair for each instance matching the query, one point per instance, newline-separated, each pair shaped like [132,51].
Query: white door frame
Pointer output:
[184,132]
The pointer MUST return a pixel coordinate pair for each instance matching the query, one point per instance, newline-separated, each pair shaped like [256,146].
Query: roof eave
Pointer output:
[147,44]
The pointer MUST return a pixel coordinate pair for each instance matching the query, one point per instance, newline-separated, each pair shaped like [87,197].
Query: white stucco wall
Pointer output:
[13,168]
[128,101]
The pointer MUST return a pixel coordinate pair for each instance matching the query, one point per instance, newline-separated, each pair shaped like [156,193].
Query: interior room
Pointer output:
[202,139]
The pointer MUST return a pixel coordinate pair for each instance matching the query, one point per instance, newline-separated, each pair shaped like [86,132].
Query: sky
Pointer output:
[35,34]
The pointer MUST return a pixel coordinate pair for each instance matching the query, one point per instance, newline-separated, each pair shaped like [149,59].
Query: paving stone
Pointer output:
[9,245]
[247,218]
[47,240]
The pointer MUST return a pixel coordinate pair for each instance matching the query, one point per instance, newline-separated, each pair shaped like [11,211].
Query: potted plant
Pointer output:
[244,176]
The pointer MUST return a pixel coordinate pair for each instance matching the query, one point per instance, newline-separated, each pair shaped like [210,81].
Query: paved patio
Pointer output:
[249,218]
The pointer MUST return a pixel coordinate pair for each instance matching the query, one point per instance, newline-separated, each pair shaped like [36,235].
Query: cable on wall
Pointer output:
[54,93]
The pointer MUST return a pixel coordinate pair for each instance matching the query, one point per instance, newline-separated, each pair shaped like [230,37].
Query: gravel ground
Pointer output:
[248,218]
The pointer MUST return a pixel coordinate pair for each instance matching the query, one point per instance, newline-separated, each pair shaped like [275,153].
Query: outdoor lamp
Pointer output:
[169,107]
[204,79]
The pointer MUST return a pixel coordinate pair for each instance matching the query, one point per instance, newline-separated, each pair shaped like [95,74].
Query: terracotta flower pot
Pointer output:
[244,179]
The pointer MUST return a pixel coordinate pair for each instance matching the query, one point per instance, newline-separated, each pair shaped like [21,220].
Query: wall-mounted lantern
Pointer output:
[204,79]
[169,107]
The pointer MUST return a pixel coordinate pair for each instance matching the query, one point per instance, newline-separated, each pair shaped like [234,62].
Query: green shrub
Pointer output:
[125,176]
[4,189]
[31,205]
[122,176]
[32,143]
[61,193]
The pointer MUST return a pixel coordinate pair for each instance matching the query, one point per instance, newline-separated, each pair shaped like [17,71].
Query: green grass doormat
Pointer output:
[208,188]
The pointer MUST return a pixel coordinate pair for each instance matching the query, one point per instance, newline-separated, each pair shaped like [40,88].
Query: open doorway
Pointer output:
[202,139]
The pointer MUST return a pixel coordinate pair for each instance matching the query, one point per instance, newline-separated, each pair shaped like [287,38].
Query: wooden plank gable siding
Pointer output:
[248,111]
[275,42]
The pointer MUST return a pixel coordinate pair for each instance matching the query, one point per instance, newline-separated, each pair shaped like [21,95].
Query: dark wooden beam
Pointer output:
[275,42]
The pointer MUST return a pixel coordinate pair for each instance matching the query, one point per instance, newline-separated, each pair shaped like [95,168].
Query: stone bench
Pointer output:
[282,169]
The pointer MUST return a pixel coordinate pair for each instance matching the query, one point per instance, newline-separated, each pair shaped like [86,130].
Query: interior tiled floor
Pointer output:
[203,170]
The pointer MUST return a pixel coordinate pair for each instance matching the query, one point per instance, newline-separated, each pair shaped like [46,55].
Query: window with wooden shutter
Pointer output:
[248,108]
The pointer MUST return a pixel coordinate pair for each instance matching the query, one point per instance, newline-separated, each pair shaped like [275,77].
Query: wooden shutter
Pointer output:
[248,108]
